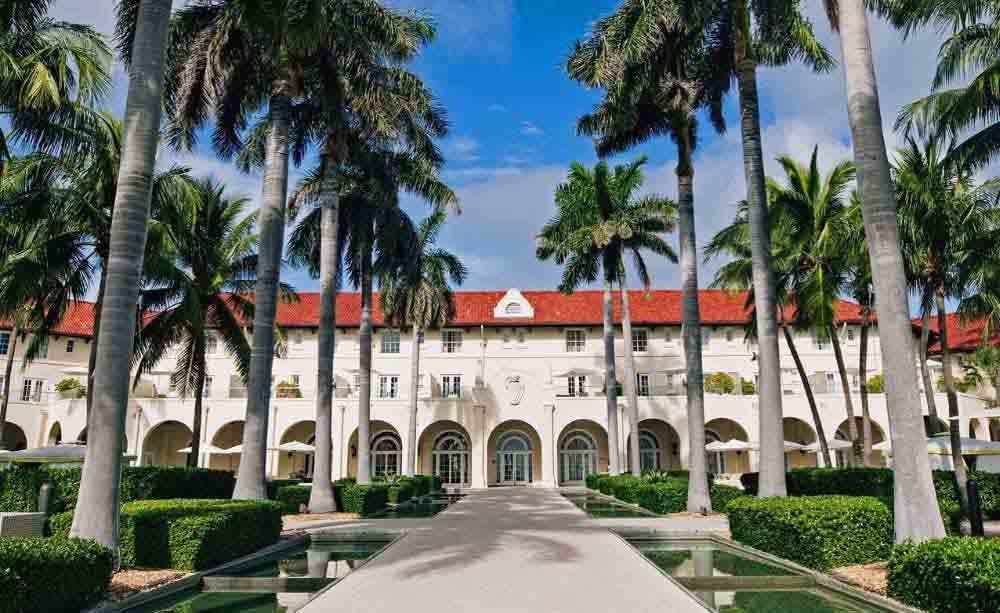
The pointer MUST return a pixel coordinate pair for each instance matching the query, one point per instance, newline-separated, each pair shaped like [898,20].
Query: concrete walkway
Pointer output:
[505,550]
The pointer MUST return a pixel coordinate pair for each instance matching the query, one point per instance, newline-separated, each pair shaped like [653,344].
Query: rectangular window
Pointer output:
[729,335]
[388,386]
[668,336]
[451,386]
[32,390]
[642,384]
[390,341]
[640,340]
[820,342]
[43,348]
[576,386]
[576,341]
[4,342]
[671,381]
[297,338]
[70,345]
[206,391]
[706,337]
[832,382]
[850,335]
[451,341]
[420,337]
[211,344]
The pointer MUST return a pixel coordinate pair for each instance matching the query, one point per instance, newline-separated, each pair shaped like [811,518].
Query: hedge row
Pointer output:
[366,500]
[189,534]
[660,492]
[952,575]
[20,483]
[56,575]
[820,532]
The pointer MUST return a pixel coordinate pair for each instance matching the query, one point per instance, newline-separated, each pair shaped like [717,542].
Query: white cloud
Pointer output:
[462,149]
[530,129]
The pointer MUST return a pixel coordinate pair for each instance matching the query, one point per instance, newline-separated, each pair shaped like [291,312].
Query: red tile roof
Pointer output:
[78,321]
[962,336]
[473,308]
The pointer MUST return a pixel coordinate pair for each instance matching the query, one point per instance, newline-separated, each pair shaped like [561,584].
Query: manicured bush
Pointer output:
[364,499]
[20,483]
[958,574]
[189,534]
[820,532]
[663,497]
[663,493]
[401,491]
[626,488]
[292,497]
[55,575]
[750,483]
[276,484]
[719,383]
[722,495]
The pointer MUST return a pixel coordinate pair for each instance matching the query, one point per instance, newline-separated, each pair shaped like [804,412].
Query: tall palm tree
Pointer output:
[735,36]
[599,222]
[917,517]
[812,215]
[96,515]
[419,295]
[642,101]
[859,287]
[943,215]
[198,285]
[229,57]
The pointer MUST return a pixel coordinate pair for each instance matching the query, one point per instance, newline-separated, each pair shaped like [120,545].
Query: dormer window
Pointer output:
[514,308]
[513,305]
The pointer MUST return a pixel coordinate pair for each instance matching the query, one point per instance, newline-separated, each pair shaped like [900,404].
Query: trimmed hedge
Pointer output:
[19,485]
[274,486]
[292,497]
[364,499]
[660,492]
[820,532]
[958,574]
[53,575]
[189,534]
[401,491]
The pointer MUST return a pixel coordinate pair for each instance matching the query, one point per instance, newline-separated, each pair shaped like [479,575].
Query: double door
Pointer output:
[514,467]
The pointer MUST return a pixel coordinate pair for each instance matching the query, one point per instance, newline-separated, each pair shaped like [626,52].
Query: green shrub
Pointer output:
[722,495]
[20,483]
[957,574]
[292,497]
[820,532]
[364,499]
[52,575]
[625,488]
[876,385]
[663,497]
[747,388]
[401,492]
[719,383]
[435,483]
[662,493]
[189,534]
[274,485]
[71,388]
[750,483]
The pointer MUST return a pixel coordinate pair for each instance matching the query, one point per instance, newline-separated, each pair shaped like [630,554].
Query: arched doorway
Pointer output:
[163,442]
[583,450]
[659,447]
[55,435]
[798,431]
[726,462]
[516,450]
[451,459]
[386,450]
[226,437]
[843,434]
[14,438]
[297,463]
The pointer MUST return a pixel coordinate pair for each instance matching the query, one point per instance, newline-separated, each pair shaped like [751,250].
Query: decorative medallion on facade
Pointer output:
[514,388]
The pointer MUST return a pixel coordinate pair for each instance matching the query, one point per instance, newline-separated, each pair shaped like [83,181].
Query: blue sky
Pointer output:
[497,68]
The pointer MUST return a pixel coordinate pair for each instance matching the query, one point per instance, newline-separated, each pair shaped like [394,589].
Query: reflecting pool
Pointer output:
[603,507]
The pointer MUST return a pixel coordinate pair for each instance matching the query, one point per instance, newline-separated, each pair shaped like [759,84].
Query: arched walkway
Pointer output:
[659,446]
[876,458]
[798,431]
[162,443]
[297,463]
[55,435]
[386,451]
[14,438]
[727,462]
[229,435]
[515,450]
[443,449]
[583,449]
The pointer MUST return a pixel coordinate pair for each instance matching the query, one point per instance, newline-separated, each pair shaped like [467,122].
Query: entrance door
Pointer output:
[451,459]
[578,458]
[514,459]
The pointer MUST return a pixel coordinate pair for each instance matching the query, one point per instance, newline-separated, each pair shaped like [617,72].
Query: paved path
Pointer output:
[506,550]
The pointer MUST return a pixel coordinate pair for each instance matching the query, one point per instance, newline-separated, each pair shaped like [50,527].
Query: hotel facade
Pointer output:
[511,391]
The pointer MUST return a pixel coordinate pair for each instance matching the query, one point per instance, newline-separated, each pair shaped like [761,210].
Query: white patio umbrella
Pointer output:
[234,450]
[204,449]
[730,445]
[296,446]
[790,446]
[834,444]
[941,445]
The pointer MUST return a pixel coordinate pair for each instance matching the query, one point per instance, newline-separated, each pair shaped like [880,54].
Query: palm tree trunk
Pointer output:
[8,371]
[96,515]
[852,425]
[321,498]
[633,400]
[411,434]
[925,373]
[92,359]
[699,499]
[365,362]
[251,480]
[199,391]
[866,417]
[824,446]
[954,432]
[610,383]
[772,447]
[917,517]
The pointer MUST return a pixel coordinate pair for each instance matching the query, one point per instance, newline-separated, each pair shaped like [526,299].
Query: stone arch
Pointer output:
[582,449]
[296,462]
[378,429]
[162,442]
[728,462]
[659,446]
[228,435]
[444,448]
[522,463]
[55,435]
[843,434]
[799,431]
[14,438]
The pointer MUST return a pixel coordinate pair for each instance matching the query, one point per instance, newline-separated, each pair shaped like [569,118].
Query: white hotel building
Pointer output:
[511,391]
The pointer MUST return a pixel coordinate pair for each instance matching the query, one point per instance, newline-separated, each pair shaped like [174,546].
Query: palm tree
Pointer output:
[943,215]
[419,294]
[813,224]
[734,37]
[859,287]
[983,368]
[644,101]
[230,56]
[599,222]
[96,515]
[199,283]
[917,517]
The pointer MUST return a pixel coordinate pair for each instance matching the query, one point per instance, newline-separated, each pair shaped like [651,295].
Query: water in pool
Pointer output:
[601,507]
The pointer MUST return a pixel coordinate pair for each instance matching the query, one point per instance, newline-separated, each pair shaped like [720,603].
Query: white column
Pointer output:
[340,449]
[549,464]
[478,463]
